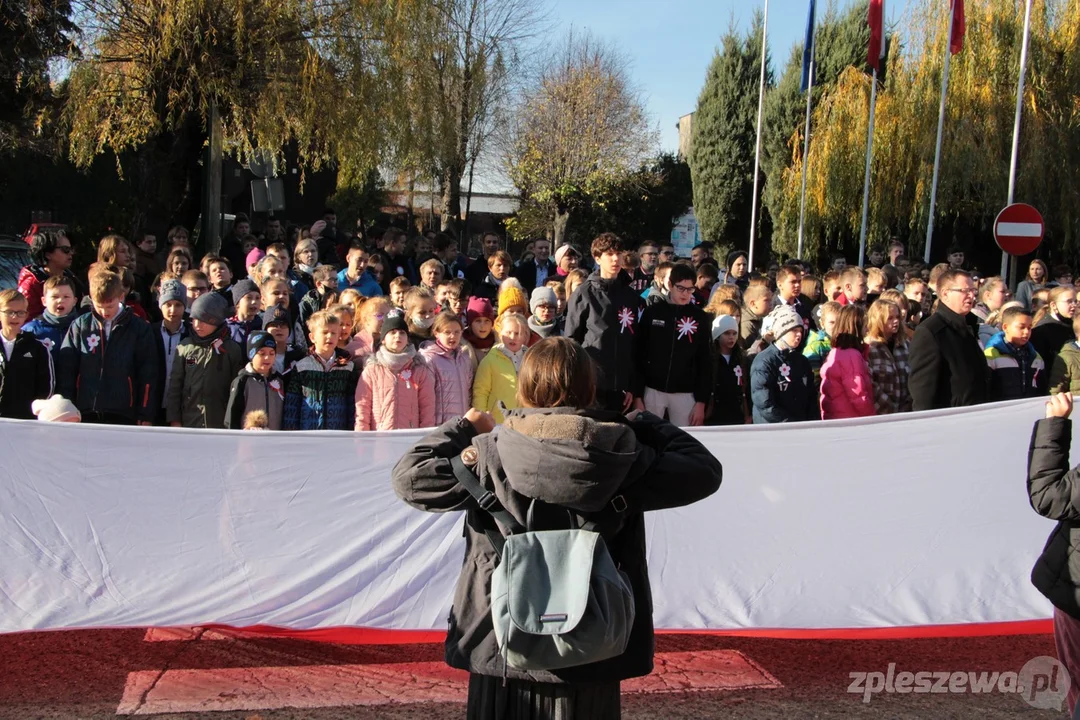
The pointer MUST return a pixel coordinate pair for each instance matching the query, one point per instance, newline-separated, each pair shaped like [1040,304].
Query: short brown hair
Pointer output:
[9,296]
[500,256]
[194,276]
[400,282]
[830,307]
[606,242]
[850,274]
[59,281]
[948,277]
[322,318]
[106,285]
[324,273]
[556,372]
[788,270]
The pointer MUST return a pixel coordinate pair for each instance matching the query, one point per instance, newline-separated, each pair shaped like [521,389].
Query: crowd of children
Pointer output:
[384,338]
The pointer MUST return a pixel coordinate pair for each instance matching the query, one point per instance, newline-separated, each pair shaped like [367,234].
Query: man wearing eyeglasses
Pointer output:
[948,368]
[51,254]
[672,347]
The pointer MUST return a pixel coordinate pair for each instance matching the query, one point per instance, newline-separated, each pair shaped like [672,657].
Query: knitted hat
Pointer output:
[172,290]
[511,295]
[257,341]
[253,257]
[395,320]
[56,409]
[242,288]
[276,315]
[733,256]
[542,295]
[563,250]
[479,307]
[780,321]
[210,308]
[722,324]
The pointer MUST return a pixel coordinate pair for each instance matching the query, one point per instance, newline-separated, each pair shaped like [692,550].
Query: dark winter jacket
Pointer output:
[730,388]
[1054,491]
[948,368]
[202,374]
[117,375]
[162,367]
[1015,372]
[251,391]
[782,387]
[602,315]
[50,330]
[1048,338]
[527,273]
[579,460]
[672,346]
[309,305]
[317,398]
[25,376]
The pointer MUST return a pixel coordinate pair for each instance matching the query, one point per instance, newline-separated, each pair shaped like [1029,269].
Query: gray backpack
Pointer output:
[557,598]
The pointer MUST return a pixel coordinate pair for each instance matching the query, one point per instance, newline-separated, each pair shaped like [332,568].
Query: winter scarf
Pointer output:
[544,331]
[395,361]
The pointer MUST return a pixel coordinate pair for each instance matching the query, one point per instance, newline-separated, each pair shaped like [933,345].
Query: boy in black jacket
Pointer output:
[258,387]
[26,369]
[602,315]
[672,347]
[107,364]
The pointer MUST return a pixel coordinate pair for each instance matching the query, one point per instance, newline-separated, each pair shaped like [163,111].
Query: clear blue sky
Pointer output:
[671,42]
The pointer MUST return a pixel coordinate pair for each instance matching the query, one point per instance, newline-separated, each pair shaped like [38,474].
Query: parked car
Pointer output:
[14,254]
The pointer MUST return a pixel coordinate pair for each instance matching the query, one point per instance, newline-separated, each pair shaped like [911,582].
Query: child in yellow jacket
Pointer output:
[496,377]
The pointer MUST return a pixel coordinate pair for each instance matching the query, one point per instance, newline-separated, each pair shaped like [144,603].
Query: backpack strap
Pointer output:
[487,502]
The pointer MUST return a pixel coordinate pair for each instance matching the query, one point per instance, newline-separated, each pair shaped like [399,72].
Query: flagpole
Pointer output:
[806,146]
[940,128]
[1016,122]
[757,149]
[866,176]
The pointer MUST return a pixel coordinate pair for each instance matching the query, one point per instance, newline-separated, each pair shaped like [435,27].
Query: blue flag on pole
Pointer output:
[808,49]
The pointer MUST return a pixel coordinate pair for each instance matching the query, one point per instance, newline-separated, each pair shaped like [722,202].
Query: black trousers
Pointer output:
[523,700]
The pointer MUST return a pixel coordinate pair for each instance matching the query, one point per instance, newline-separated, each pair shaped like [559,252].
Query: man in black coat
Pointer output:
[948,368]
[534,273]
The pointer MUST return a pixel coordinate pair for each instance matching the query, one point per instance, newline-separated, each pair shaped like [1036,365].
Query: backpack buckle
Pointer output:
[488,500]
[619,504]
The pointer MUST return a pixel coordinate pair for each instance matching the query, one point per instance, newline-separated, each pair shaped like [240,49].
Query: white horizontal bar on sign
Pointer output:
[1014,229]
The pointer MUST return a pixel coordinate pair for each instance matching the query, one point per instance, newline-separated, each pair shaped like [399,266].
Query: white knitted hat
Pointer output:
[56,409]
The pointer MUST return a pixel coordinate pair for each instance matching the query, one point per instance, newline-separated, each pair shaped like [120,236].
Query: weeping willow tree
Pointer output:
[278,73]
[976,144]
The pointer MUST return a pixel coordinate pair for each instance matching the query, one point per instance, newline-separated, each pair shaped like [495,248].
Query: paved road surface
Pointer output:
[183,674]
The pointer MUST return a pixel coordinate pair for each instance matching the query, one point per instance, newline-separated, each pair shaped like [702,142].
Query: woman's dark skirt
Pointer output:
[523,700]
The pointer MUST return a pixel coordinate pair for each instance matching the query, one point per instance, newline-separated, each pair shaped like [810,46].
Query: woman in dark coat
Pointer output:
[554,449]
[1054,491]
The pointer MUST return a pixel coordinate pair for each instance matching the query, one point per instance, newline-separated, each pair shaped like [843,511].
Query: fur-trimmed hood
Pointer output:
[567,457]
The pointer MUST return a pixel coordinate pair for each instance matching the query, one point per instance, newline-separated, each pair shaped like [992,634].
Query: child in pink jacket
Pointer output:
[397,389]
[846,388]
[452,367]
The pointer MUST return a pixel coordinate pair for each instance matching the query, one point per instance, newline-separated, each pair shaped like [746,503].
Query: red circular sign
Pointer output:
[1018,229]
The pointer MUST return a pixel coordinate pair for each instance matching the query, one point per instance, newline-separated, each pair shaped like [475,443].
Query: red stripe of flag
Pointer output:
[956,42]
[875,19]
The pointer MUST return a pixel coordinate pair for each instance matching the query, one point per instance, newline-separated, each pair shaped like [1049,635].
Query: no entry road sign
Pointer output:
[1018,229]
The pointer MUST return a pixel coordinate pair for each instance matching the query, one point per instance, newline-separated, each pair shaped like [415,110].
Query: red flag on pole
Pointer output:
[956,42]
[876,20]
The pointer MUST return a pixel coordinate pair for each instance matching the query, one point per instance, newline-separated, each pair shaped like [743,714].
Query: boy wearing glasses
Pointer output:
[673,354]
[26,369]
[107,365]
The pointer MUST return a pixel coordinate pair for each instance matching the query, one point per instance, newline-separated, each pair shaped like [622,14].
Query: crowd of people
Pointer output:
[321,330]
